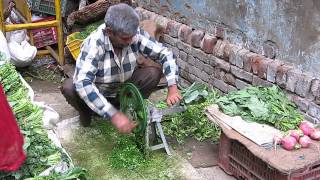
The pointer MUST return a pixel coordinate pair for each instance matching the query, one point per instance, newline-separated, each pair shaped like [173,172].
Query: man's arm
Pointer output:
[86,68]
[149,47]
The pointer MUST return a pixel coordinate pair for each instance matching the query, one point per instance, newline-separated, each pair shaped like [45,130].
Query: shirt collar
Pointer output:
[108,45]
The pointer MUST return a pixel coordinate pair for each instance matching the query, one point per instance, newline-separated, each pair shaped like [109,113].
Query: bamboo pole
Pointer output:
[53,53]
[43,52]
[60,33]
[1,17]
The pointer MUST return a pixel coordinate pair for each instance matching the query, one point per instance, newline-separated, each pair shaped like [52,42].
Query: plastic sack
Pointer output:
[11,140]
[18,36]
[21,54]
[4,51]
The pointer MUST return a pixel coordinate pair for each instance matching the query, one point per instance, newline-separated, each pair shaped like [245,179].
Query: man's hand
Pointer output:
[173,95]
[122,123]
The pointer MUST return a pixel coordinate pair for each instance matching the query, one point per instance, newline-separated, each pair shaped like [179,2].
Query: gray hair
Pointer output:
[121,18]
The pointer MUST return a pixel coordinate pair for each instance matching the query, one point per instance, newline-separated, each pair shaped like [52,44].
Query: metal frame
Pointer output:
[22,7]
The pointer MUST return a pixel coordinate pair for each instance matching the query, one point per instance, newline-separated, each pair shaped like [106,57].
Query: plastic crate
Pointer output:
[235,159]
[74,45]
[45,36]
[48,7]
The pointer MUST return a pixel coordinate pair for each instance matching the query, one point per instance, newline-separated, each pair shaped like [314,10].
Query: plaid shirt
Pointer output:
[98,69]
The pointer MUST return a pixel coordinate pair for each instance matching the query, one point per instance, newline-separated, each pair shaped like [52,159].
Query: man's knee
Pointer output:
[68,89]
[154,73]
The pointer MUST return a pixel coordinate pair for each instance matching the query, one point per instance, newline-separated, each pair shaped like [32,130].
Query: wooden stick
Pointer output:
[53,53]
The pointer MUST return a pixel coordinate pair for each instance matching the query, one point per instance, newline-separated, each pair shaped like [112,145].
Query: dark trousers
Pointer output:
[145,78]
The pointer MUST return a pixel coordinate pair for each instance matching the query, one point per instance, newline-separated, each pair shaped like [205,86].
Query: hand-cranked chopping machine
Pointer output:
[148,117]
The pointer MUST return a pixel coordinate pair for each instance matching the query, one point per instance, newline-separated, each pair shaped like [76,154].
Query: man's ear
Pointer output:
[108,31]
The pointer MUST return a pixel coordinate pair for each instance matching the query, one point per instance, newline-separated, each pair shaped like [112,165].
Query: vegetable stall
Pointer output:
[257,110]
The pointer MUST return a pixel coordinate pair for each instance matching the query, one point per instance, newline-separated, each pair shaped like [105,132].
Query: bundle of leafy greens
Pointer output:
[266,105]
[41,152]
[193,122]
[87,31]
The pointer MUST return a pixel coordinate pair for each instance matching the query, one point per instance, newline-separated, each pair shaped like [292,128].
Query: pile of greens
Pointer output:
[126,153]
[266,105]
[193,122]
[41,152]
[87,31]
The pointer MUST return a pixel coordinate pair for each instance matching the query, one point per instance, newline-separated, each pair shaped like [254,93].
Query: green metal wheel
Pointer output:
[132,104]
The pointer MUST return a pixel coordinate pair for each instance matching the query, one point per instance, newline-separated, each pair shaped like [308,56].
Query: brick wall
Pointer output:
[211,59]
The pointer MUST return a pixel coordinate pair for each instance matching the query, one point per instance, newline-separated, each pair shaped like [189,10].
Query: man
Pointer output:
[108,58]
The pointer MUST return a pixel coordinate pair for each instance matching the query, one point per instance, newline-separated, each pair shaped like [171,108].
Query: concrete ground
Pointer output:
[197,160]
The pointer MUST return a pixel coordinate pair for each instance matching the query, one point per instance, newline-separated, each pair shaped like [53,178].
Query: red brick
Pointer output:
[208,43]
[184,46]
[314,111]
[216,47]
[232,88]
[219,32]
[255,63]
[272,70]
[183,55]
[256,81]
[292,79]
[196,38]
[269,50]
[281,75]
[162,21]
[233,53]
[247,61]
[229,78]
[240,57]
[315,88]
[241,84]
[184,33]
[173,28]
[219,49]
[303,85]
[218,73]
[302,103]
[220,85]
[208,69]
[223,64]
[263,67]
[226,51]
[239,73]
[212,60]
[153,16]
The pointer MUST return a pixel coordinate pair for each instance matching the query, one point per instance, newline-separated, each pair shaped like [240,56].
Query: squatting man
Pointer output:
[108,58]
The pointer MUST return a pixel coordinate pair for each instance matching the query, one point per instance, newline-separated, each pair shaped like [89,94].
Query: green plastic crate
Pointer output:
[47,6]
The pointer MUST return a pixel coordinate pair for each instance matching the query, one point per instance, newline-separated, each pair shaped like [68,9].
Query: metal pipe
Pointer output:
[1,17]
[60,33]
[12,27]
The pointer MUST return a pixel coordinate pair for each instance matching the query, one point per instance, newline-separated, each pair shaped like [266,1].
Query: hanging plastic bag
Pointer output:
[11,140]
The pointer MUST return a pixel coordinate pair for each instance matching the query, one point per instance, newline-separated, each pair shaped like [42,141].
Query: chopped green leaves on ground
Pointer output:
[267,105]
[102,150]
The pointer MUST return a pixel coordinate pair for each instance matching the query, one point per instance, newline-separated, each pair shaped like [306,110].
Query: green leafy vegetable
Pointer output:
[41,152]
[268,105]
[193,122]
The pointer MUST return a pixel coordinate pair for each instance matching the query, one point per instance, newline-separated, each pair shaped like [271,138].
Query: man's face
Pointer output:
[120,40]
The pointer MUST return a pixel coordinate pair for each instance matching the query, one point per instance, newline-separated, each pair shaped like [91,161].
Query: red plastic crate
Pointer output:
[45,36]
[235,159]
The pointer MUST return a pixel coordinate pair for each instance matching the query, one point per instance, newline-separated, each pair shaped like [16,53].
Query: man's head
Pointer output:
[122,23]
